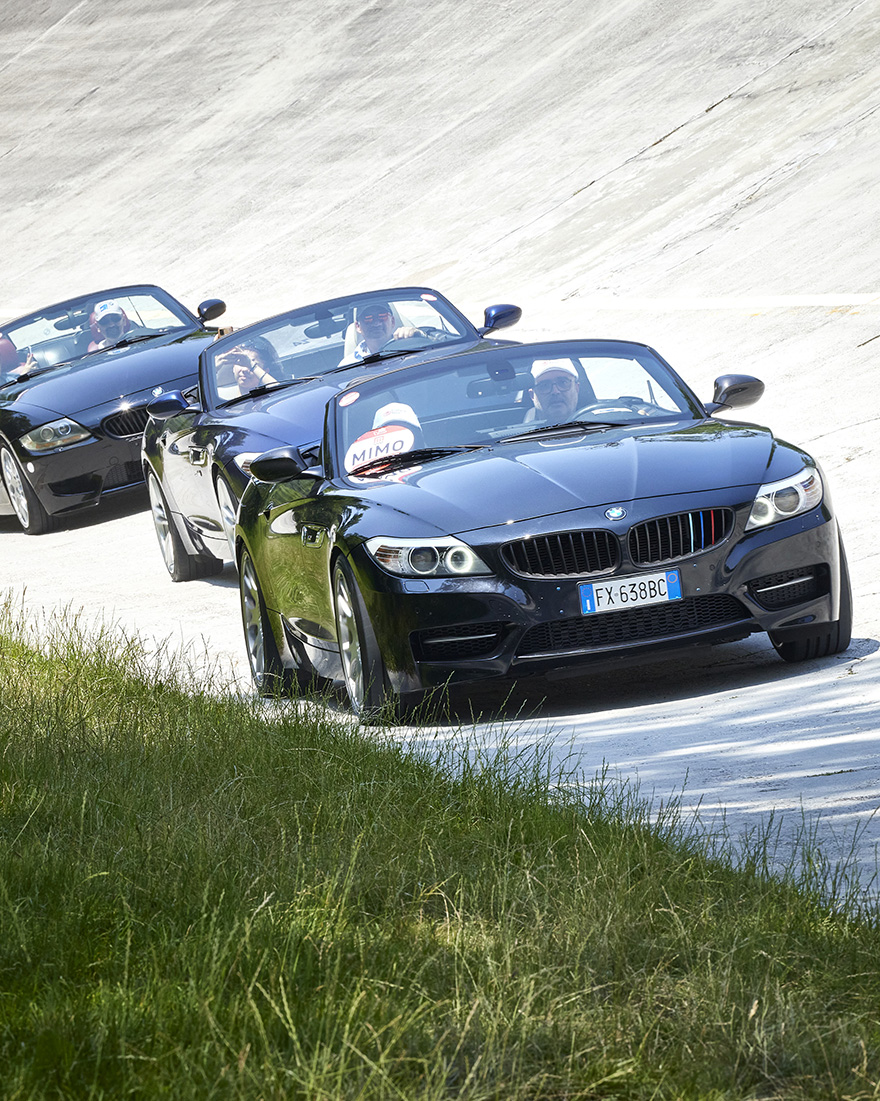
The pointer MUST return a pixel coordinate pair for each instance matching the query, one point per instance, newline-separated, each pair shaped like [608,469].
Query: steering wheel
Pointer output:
[616,405]
[404,342]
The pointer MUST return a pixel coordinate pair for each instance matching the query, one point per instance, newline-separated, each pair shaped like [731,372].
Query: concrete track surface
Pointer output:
[702,177]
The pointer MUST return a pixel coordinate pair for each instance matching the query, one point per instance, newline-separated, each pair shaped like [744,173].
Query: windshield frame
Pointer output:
[322,351]
[487,364]
[66,326]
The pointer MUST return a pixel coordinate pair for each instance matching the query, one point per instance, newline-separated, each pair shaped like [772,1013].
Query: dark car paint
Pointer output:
[174,449]
[88,390]
[188,453]
[521,481]
[124,378]
[72,389]
[485,511]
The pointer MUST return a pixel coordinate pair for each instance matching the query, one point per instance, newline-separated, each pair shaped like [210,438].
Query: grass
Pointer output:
[202,896]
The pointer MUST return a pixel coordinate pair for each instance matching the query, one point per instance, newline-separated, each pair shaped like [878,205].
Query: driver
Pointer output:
[375,327]
[110,323]
[555,390]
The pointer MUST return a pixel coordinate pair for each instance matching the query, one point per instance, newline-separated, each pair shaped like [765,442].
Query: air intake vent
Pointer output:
[790,587]
[595,632]
[672,537]
[566,554]
[473,640]
[130,423]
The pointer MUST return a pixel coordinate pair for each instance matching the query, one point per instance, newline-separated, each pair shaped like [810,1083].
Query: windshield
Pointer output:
[489,396]
[73,329]
[319,338]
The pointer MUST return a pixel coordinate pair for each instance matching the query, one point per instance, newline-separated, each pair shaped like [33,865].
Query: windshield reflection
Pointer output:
[475,399]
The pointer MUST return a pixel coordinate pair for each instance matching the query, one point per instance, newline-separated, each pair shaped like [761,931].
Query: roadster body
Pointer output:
[448,528]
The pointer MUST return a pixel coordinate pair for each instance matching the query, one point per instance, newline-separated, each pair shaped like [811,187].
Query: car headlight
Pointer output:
[426,557]
[48,437]
[788,497]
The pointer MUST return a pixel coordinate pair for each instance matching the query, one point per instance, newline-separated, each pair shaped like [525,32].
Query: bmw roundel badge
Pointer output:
[616,513]
[157,390]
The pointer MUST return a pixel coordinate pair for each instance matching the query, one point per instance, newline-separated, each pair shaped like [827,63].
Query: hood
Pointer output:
[525,481]
[169,361]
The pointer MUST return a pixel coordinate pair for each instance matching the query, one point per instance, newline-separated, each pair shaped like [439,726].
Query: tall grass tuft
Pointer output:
[202,896]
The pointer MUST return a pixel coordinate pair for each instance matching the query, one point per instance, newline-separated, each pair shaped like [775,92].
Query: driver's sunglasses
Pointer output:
[563,385]
[379,315]
[110,323]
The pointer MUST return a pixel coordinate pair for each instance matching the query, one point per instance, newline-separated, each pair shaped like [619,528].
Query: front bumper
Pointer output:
[783,577]
[78,477]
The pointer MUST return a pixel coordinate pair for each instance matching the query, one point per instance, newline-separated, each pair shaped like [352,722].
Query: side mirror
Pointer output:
[734,391]
[499,317]
[211,308]
[281,464]
[168,405]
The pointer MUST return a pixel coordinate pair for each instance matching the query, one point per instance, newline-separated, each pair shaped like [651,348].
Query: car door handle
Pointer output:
[198,456]
[313,537]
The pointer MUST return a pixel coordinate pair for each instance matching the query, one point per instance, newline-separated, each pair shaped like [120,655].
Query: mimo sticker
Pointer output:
[379,443]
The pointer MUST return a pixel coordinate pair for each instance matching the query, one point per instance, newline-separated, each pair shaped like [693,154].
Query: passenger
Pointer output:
[375,326]
[11,363]
[253,363]
[554,391]
[109,323]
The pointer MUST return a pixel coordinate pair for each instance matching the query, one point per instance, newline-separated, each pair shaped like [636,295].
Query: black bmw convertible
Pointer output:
[75,380]
[507,511]
[268,384]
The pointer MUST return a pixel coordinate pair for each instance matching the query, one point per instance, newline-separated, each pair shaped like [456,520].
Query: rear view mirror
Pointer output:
[735,391]
[499,386]
[168,405]
[499,317]
[280,465]
[211,308]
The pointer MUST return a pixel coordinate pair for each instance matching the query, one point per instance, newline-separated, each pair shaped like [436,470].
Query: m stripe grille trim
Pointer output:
[669,538]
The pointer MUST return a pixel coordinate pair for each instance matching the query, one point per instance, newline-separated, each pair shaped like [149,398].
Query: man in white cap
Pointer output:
[110,322]
[555,390]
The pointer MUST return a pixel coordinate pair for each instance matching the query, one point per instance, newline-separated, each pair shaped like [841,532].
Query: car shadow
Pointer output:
[227,578]
[110,508]
[712,672]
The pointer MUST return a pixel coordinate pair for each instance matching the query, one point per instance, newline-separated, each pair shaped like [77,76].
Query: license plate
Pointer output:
[629,592]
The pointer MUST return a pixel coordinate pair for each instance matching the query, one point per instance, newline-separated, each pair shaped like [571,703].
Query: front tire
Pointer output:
[228,505]
[29,512]
[269,673]
[181,565]
[363,670]
[830,638]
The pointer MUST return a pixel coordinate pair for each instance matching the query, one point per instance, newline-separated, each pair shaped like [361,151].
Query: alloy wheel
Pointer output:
[228,513]
[349,642]
[15,488]
[161,522]
[252,620]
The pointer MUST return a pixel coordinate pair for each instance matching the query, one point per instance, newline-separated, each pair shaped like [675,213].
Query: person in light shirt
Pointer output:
[111,324]
[375,327]
[555,390]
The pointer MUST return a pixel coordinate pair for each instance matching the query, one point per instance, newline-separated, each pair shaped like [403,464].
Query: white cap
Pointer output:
[543,366]
[395,412]
[109,308]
